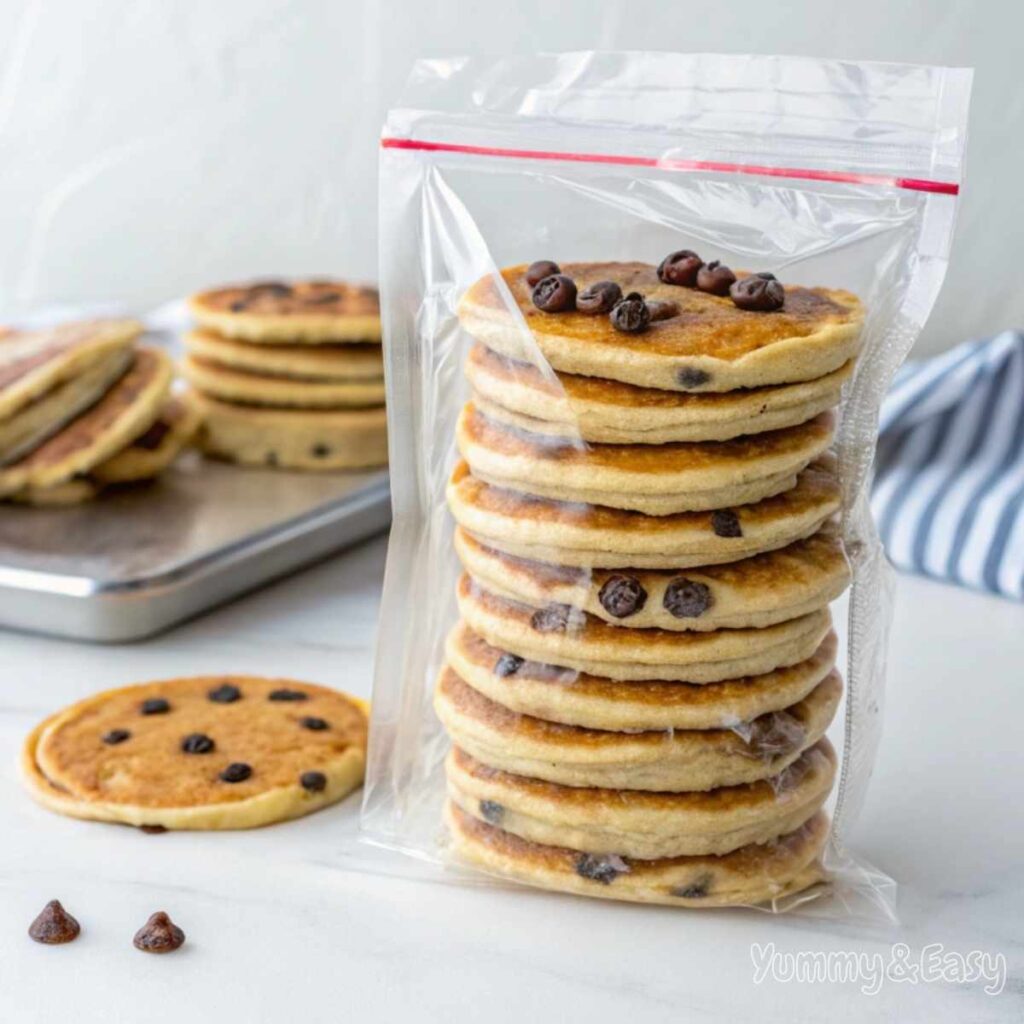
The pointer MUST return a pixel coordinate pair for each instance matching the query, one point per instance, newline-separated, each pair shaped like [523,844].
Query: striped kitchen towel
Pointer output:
[949,481]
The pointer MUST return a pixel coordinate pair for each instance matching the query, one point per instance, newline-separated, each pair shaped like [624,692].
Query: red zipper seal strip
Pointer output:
[946,188]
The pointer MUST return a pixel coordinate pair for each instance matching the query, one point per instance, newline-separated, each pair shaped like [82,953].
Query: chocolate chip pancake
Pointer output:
[126,410]
[310,312]
[758,591]
[709,345]
[751,875]
[591,536]
[654,479]
[596,702]
[643,825]
[154,449]
[259,389]
[31,425]
[32,363]
[663,761]
[293,438]
[558,635]
[519,395]
[211,752]
[348,362]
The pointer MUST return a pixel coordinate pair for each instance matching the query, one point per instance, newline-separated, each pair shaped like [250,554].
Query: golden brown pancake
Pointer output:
[596,702]
[656,479]
[518,394]
[649,826]
[758,591]
[297,311]
[711,345]
[664,761]
[749,876]
[588,536]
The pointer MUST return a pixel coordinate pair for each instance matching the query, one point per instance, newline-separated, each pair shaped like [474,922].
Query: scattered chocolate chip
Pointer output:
[278,289]
[508,665]
[691,377]
[603,868]
[320,451]
[159,935]
[270,458]
[288,695]
[726,523]
[661,309]
[115,736]
[552,619]
[680,268]
[555,294]
[758,293]
[313,782]
[238,771]
[492,811]
[538,270]
[599,298]
[155,706]
[151,439]
[322,298]
[313,724]
[716,278]
[152,830]
[238,305]
[226,693]
[54,925]
[687,599]
[631,315]
[197,743]
[695,890]
[622,596]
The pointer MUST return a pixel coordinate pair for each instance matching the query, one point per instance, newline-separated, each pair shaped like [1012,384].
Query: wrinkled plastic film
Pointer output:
[675,137]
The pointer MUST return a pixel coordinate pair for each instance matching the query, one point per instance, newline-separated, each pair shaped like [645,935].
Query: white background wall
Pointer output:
[151,146]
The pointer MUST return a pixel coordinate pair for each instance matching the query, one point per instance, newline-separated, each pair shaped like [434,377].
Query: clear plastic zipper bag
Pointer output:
[640,312]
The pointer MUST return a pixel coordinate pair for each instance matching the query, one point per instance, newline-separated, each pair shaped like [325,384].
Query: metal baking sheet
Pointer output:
[135,562]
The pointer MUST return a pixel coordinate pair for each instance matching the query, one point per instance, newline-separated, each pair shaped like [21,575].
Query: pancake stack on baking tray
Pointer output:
[643,673]
[289,375]
[82,408]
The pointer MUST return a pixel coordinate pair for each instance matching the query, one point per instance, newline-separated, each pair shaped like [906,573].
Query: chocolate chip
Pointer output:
[151,439]
[661,309]
[691,377]
[555,294]
[226,693]
[715,278]
[695,890]
[726,523]
[238,305]
[152,830]
[631,315]
[155,706]
[622,596]
[237,771]
[680,268]
[197,743]
[538,270]
[758,293]
[603,868]
[115,736]
[313,782]
[313,724]
[278,289]
[54,925]
[552,619]
[159,935]
[492,811]
[321,451]
[321,299]
[288,695]
[508,665]
[599,298]
[687,599]
[270,458]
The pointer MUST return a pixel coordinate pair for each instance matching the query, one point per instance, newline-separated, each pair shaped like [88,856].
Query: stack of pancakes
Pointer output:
[83,407]
[640,683]
[289,375]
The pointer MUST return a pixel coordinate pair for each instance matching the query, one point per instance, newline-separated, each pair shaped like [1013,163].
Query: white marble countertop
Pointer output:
[282,928]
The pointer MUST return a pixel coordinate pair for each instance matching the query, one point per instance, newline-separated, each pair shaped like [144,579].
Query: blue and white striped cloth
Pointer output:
[949,483]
